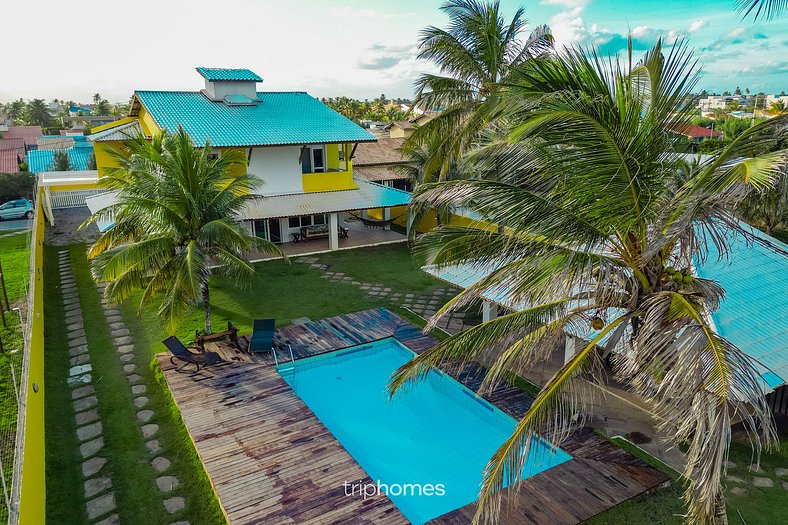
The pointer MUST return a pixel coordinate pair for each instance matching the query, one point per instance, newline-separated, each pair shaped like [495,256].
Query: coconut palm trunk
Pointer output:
[206,305]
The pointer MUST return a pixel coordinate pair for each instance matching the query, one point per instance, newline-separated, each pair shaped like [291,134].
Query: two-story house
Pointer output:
[299,149]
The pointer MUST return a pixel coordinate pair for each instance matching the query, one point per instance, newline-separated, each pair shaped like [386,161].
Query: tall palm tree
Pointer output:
[778,108]
[475,55]
[760,9]
[601,225]
[174,225]
[36,113]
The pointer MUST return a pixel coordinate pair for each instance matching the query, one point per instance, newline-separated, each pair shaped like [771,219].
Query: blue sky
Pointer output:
[334,47]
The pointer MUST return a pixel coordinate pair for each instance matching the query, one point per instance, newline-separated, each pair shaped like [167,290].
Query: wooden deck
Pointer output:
[272,461]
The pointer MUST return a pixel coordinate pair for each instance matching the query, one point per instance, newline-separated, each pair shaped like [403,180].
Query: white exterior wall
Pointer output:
[217,90]
[279,168]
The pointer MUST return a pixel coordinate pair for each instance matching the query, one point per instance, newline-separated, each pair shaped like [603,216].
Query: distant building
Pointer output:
[42,160]
[696,134]
[76,111]
[404,128]
[771,99]
[9,159]
[378,161]
[27,133]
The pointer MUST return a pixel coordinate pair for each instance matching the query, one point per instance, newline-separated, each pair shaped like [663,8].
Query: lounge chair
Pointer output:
[181,353]
[262,339]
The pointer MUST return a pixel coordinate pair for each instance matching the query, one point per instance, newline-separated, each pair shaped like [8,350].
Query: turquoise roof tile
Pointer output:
[277,118]
[41,160]
[754,314]
[228,74]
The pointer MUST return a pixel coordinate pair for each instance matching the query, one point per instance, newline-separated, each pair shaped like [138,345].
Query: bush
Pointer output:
[17,186]
[710,145]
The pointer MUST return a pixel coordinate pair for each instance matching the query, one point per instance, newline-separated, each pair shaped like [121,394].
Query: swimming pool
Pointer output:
[436,433]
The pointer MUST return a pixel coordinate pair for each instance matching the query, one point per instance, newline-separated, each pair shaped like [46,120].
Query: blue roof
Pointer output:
[74,109]
[220,73]
[754,314]
[274,119]
[40,160]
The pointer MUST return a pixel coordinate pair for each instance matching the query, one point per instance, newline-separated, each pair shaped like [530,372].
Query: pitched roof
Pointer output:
[226,74]
[694,131]
[754,313]
[404,124]
[277,118]
[13,143]
[54,142]
[40,161]
[384,151]
[123,132]
[9,161]
[368,195]
[28,133]
[379,173]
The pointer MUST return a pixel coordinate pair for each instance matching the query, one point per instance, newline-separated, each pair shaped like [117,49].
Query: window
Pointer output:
[318,159]
[320,219]
[293,222]
[305,220]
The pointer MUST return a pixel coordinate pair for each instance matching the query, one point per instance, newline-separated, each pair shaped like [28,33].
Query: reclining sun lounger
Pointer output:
[181,353]
[262,339]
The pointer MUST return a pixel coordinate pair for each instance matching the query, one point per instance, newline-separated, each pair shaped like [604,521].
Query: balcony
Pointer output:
[330,180]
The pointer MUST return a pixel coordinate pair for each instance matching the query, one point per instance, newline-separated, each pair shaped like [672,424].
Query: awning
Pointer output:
[368,195]
[379,173]
[99,202]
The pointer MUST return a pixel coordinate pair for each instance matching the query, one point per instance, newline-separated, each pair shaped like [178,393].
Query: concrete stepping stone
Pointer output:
[728,464]
[82,391]
[785,485]
[756,468]
[70,294]
[125,349]
[81,359]
[141,401]
[143,416]
[180,523]
[160,464]
[167,483]
[92,466]
[739,491]
[73,316]
[111,311]
[761,482]
[79,370]
[101,505]
[114,319]
[89,431]
[112,520]
[153,445]
[735,479]
[76,334]
[71,300]
[75,326]
[125,358]
[134,378]
[138,389]
[85,403]
[115,325]
[782,472]
[91,448]
[175,504]
[129,368]
[84,379]
[97,486]
[86,417]
[122,341]
[79,341]
[120,332]
[149,430]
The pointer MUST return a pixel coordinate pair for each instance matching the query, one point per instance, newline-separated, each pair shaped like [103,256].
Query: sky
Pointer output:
[360,49]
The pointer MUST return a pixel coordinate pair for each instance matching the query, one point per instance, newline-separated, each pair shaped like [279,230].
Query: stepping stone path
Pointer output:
[424,305]
[99,497]
[100,501]
[123,341]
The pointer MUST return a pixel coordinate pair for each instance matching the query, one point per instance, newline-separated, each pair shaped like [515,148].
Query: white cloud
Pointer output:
[736,32]
[697,24]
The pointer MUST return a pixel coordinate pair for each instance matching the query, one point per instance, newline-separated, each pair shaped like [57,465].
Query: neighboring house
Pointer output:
[404,128]
[298,147]
[17,144]
[54,142]
[771,99]
[75,111]
[695,134]
[27,133]
[9,160]
[741,114]
[90,120]
[42,160]
[377,161]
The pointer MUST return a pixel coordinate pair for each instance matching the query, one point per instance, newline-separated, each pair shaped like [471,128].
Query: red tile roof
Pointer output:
[9,161]
[693,131]
[28,133]
[17,144]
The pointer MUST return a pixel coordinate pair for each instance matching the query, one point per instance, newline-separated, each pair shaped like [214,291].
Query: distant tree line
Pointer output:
[378,110]
[36,112]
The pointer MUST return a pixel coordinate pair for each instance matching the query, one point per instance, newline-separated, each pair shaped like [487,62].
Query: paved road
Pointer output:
[15,225]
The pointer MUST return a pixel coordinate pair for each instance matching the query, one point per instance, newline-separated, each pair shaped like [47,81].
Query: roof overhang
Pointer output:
[68,180]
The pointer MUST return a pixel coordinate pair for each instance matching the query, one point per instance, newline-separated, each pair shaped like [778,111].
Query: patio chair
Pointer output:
[181,353]
[262,339]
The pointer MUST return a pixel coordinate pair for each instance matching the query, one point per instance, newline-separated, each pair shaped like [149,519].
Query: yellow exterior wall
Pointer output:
[32,491]
[119,122]
[331,180]
[148,125]
[397,132]
[102,153]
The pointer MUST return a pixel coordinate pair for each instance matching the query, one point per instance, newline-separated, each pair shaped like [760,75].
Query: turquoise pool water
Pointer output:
[436,433]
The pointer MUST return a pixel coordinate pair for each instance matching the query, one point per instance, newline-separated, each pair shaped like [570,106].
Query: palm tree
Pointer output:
[174,225]
[601,225]
[476,54]
[36,113]
[96,98]
[760,9]
[767,208]
[778,108]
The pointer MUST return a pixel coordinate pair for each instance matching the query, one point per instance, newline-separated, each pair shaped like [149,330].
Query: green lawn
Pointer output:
[15,258]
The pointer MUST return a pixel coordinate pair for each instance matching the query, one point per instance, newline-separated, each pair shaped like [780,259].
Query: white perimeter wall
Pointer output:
[280,169]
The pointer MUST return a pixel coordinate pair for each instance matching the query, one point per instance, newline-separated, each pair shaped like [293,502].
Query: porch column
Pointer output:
[489,311]
[48,205]
[333,234]
[386,217]
[407,223]
[570,347]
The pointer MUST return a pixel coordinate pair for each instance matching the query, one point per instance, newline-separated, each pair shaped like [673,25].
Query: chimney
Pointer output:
[234,87]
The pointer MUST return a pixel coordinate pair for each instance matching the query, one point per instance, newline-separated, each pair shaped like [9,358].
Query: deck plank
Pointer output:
[273,461]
